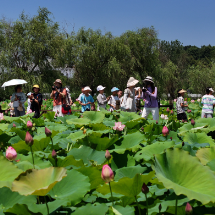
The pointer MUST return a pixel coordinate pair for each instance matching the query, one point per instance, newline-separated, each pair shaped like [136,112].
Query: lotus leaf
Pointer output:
[38,182]
[206,155]
[94,116]
[179,171]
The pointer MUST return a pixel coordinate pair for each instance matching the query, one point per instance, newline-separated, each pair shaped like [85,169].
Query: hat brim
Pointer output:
[148,80]
[133,83]
[101,89]
[182,91]
[35,87]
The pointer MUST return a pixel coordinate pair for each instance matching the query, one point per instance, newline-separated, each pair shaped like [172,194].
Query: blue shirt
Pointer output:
[85,99]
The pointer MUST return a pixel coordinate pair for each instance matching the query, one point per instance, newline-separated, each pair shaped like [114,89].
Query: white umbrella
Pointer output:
[14,82]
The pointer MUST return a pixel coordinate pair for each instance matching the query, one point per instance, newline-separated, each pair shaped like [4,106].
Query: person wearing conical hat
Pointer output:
[129,101]
[149,93]
[36,101]
[180,106]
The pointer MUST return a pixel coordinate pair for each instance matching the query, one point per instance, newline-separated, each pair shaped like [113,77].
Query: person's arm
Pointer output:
[63,94]
[52,94]
[153,94]
[13,98]
[82,100]
[91,100]
[23,98]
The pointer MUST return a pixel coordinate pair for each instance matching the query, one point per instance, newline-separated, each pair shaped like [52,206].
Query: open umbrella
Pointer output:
[14,82]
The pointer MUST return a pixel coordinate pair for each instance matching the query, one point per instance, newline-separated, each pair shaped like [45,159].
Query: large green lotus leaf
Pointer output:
[26,161]
[129,172]
[78,135]
[41,208]
[127,186]
[18,209]
[99,127]
[148,152]
[109,122]
[38,182]
[94,175]
[130,142]
[88,155]
[135,122]
[198,138]
[79,121]
[38,122]
[8,198]
[49,115]
[55,127]
[202,127]
[4,126]
[179,171]
[21,147]
[69,160]
[89,209]
[206,155]
[209,121]
[19,132]
[125,117]
[8,172]
[211,165]
[72,188]
[94,116]
[14,140]
[119,210]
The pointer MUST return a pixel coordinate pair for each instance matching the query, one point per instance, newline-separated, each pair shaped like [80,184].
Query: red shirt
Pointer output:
[59,99]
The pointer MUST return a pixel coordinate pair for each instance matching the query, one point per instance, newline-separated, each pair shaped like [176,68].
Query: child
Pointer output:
[208,102]
[86,99]
[181,115]
[29,101]
[82,93]
[101,98]
[114,97]
[11,109]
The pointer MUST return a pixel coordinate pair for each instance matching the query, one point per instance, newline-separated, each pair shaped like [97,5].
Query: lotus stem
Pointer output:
[146,204]
[38,198]
[176,204]
[46,205]
[52,143]
[111,193]
[138,205]
[32,156]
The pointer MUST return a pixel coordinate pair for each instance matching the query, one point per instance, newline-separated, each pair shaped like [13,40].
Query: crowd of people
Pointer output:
[117,100]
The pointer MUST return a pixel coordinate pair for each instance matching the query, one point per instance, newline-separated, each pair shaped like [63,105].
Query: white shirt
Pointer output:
[112,101]
[29,105]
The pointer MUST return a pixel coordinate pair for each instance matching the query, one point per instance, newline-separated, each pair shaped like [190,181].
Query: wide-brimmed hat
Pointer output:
[114,89]
[149,79]
[182,91]
[36,86]
[87,88]
[132,82]
[100,87]
[211,89]
[58,81]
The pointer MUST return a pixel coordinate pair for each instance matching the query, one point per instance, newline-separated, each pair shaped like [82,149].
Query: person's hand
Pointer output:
[36,101]
[83,104]
[15,98]
[108,98]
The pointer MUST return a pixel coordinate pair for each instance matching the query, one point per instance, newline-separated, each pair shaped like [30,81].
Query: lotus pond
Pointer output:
[153,173]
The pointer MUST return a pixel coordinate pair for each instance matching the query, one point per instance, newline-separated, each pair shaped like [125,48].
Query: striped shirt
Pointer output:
[208,101]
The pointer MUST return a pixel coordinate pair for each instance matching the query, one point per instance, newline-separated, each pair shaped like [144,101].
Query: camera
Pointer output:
[144,89]
[54,87]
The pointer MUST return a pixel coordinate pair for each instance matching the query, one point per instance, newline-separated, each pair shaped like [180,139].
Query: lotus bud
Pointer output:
[29,124]
[182,144]
[171,112]
[188,209]
[165,131]
[160,207]
[142,128]
[48,132]
[11,153]
[29,139]
[107,155]
[54,154]
[107,174]
[167,110]
[14,125]
[192,122]
[156,122]
[145,189]
[170,138]
[189,111]
[182,121]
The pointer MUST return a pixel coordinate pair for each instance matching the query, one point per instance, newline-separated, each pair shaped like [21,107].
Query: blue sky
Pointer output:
[192,22]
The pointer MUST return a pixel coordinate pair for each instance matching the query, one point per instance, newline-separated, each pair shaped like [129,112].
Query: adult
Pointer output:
[36,101]
[129,101]
[18,98]
[208,102]
[149,93]
[58,95]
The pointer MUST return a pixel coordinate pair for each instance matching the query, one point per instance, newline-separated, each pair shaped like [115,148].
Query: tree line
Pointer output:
[36,49]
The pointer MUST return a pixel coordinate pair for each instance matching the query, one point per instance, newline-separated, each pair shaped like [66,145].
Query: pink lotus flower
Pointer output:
[11,153]
[162,116]
[29,124]
[175,100]
[1,116]
[198,100]
[192,101]
[45,99]
[188,111]
[165,131]
[188,209]
[29,139]
[28,112]
[48,132]
[167,110]
[54,154]
[118,126]
[144,100]
[171,112]
[14,125]
[107,155]
[107,174]
[185,102]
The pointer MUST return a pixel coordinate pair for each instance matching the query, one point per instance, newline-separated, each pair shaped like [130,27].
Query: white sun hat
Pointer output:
[87,88]
[137,88]
[100,87]
[149,79]
[211,89]
[132,82]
